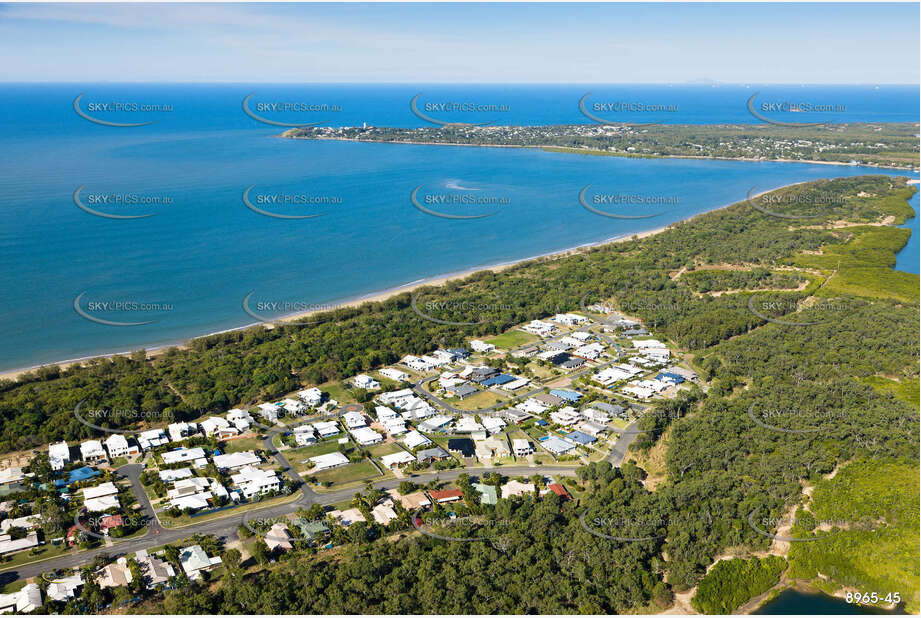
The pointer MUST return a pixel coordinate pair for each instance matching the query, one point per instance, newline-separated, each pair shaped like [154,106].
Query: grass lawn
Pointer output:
[512,339]
[385,448]
[25,557]
[185,520]
[352,473]
[483,399]
[905,390]
[337,391]
[11,587]
[298,456]
[241,444]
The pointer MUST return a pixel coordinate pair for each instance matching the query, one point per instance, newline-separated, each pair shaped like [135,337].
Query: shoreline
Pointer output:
[605,153]
[378,296]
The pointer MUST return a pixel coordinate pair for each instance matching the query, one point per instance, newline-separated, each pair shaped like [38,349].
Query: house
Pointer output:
[152,438]
[11,475]
[115,574]
[293,406]
[155,571]
[569,319]
[394,374]
[612,375]
[395,460]
[255,481]
[572,362]
[26,522]
[354,420]
[548,399]
[268,411]
[218,427]
[311,396]
[580,438]
[687,374]
[565,416]
[559,490]
[521,447]
[467,424]
[234,461]
[591,428]
[395,426]
[348,516]
[556,445]
[9,545]
[311,530]
[63,589]
[435,423]
[366,382]
[413,502]
[416,364]
[492,424]
[541,329]
[666,376]
[591,351]
[482,347]
[595,415]
[329,460]
[101,498]
[304,435]
[581,336]
[194,560]
[607,408]
[464,446]
[559,346]
[516,384]
[58,455]
[383,513]
[414,440]
[516,488]
[488,493]
[180,431]
[461,391]
[278,537]
[648,344]
[640,392]
[433,454]
[444,356]
[446,495]
[396,398]
[516,416]
[181,455]
[25,600]
[168,476]
[492,447]
[526,352]
[478,374]
[92,452]
[241,419]
[109,522]
[366,436]
[570,396]
[326,428]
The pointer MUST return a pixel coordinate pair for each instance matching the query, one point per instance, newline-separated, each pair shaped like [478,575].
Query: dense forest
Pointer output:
[788,401]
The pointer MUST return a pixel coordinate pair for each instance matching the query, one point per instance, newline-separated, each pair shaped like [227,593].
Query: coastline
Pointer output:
[604,153]
[381,295]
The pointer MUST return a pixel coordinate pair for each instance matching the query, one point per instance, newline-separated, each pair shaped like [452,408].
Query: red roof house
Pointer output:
[446,495]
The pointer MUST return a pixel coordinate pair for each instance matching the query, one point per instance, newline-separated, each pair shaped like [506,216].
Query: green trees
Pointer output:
[733,582]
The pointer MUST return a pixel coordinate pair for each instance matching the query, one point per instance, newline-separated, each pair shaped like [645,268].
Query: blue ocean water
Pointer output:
[188,268]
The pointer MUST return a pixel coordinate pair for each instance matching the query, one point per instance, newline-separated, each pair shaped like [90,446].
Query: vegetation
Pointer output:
[733,582]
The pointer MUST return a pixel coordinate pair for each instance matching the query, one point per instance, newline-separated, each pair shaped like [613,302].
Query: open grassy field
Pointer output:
[512,339]
[352,473]
[242,444]
[483,399]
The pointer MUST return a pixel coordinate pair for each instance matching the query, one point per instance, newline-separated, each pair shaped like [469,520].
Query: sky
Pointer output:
[461,43]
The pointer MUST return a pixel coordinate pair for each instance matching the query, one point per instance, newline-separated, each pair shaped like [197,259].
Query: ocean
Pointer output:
[186,268]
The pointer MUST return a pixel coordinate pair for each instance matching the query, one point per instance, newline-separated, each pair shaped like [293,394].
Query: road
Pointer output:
[226,527]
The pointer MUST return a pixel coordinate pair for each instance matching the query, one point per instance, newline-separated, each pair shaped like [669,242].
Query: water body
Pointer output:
[793,602]
[907,260]
[186,270]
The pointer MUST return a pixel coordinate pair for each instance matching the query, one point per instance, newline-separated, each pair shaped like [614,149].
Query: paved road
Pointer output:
[226,527]
[132,472]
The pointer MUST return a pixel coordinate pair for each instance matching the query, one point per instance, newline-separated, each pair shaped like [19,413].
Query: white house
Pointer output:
[366,382]
[268,411]
[64,588]
[194,560]
[395,426]
[394,374]
[241,419]
[565,416]
[118,446]
[414,439]
[492,424]
[326,428]
[218,427]
[92,452]
[25,600]
[591,351]
[255,481]
[233,461]
[541,329]
[569,319]
[180,431]
[354,420]
[311,396]
[521,447]
[293,406]
[58,455]
[417,364]
[329,460]
[101,498]
[478,345]
[181,455]
[397,459]
[152,438]
[366,436]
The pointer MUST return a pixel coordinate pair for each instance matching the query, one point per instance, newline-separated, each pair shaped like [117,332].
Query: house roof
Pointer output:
[559,490]
[439,495]
[488,493]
